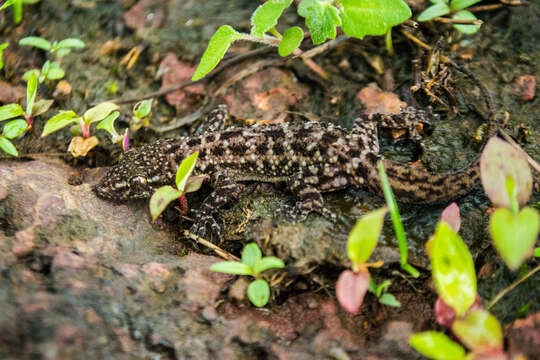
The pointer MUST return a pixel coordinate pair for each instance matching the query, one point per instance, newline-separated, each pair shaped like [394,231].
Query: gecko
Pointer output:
[311,158]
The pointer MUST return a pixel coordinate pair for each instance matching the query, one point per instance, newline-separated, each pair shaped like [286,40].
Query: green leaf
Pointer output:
[322,18]
[268,262]
[251,254]
[71,43]
[266,16]
[2,47]
[41,106]
[514,235]
[10,111]
[231,267]
[217,47]
[99,112]
[14,128]
[107,124]
[436,345]
[452,269]
[381,287]
[17,11]
[36,41]
[26,75]
[364,236]
[390,300]
[537,252]
[465,15]
[31,89]
[291,40]
[6,4]
[55,74]
[462,4]
[433,11]
[161,198]
[60,53]
[258,292]
[142,108]
[479,330]
[372,17]
[30,1]
[8,147]
[64,118]
[184,170]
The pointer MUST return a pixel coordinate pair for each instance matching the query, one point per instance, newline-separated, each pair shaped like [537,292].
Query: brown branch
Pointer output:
[458,21]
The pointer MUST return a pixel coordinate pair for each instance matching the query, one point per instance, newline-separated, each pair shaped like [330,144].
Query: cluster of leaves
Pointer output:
[142,111]
[445,7]
[17,6]
[252,264]
[356,18]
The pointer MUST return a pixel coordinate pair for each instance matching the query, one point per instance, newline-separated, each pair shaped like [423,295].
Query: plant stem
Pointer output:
[511,287]
[389,45]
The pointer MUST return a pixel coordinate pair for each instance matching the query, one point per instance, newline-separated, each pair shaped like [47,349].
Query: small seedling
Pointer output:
[2,47]
[142,112]
[17,8]
[384,297]
[49,71]
[445,7]
[58,49]
[252,264]
[185,183]
[356,18]
[107,124]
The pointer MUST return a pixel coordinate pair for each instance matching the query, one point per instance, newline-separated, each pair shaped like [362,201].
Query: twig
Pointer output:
[511,287]
[458,21]
[531,161]
[485,7]
[224,254]
[422,44]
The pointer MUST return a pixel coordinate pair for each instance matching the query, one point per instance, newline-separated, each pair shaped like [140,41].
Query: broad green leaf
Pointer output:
[372,17]
[10,111]
[41,106]
[291,40]
[433,11]
[217,47]
[8,147]
[251,254]
[64,118]
[351,288]
[322,18]
[194,183]
[231,267]
[142,108]
[258,292]
[31,89]
[462,4]
[36,41]
[161,198]
[70,43]
[184,170]
[268,262]
[55,74]
[107,124]
[479,330]
[465,15]
[99,112]
[514,235]
[390,300]
[452,269]
[266,16]
[364,236]
[498,161]
[436,345]
[14,128]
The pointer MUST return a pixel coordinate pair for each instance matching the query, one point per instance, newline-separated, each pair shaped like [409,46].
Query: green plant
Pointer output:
[380,292]
[185,183]
[17,8]
[142,111]
[49,71]
[17,127]
[2,47]
[58,49]
[252,264]
[444,7]
[357,18]
[107,124]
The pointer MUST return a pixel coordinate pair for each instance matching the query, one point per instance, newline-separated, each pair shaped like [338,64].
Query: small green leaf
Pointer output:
[31,89]
[462,4]
[465,15]
[291,40]
[185,169]
[107,124]
[436,345]
[514,235]
[17,11]
[268,262]
[258,292]
[433,11]
[266,16]
[99,112]
[479,330]
[6,4]
[452,269]
[231,267]
[41,106]
[14,128]
[322,18]
[161,198]
[60,53]
[217,47]
[71,43]
[10,111]
[537,252]
[372,17]
[8,146]
[35,41]
[381,287]
[55,74]
[2,47]
[142,108]
[390,300]
[364,236]
[251,254]
[26,75]
[64,118]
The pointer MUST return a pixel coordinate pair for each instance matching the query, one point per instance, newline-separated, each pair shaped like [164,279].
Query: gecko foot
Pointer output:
[204,222]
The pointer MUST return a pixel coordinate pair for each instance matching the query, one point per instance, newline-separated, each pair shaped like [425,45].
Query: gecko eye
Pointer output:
[138,180]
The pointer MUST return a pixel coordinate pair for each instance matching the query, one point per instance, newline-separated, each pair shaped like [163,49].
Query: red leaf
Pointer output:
[351,288]
[450,215]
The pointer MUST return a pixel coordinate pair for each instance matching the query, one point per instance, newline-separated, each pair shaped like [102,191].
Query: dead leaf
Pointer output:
[377,101]
[524,87]
[146,13]
[80,146]
[176,72]
[63,88]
